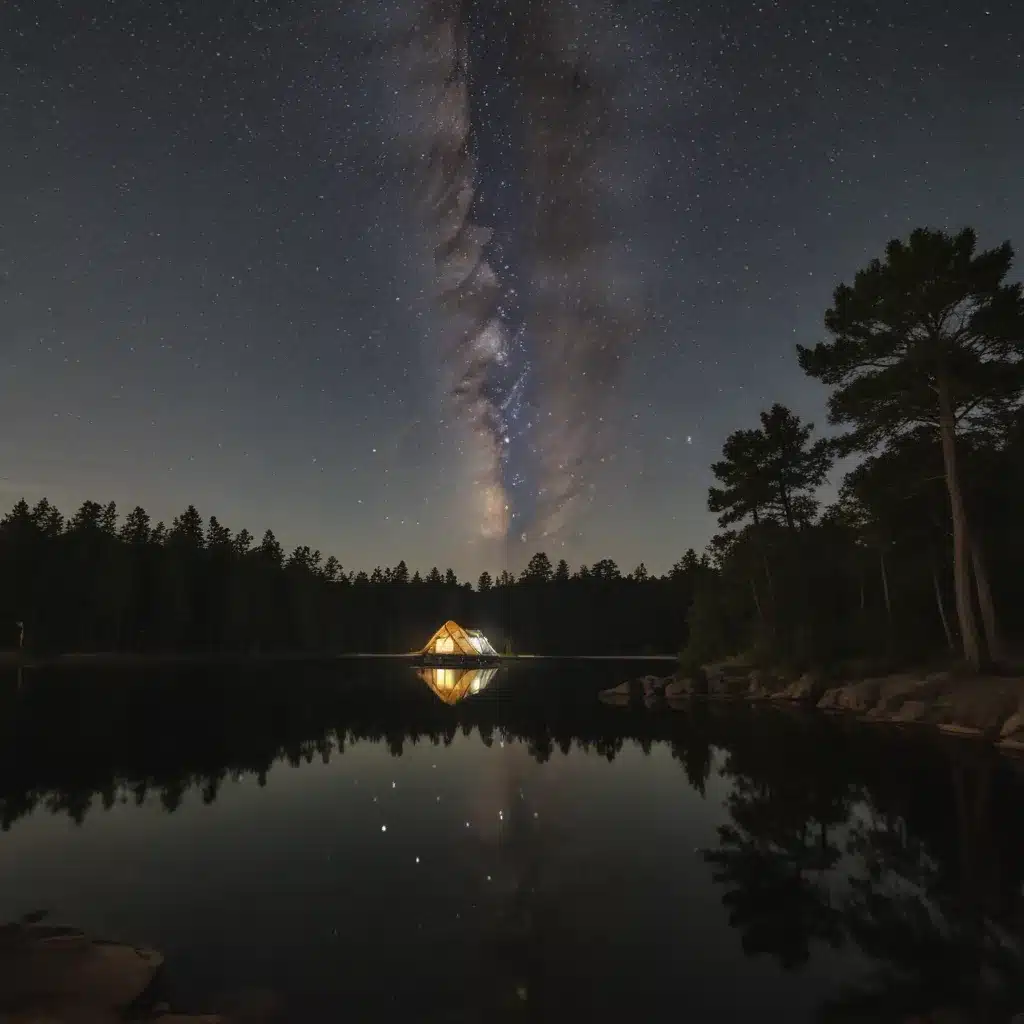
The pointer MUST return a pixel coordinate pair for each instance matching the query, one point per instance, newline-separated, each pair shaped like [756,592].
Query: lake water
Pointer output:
[366,846]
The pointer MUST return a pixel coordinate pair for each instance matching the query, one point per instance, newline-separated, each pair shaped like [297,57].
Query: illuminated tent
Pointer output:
[451,638]
[452,684]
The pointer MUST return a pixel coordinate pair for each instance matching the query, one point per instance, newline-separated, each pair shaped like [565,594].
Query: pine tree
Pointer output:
[538,569]
[770,473]
[187,529]
[135,529]
[931,337]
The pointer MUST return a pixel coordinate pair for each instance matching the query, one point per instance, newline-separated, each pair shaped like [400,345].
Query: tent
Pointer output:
[452,684]
[452,639]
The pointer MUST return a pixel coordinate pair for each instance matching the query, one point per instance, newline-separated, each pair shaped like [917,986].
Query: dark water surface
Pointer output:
[349,840]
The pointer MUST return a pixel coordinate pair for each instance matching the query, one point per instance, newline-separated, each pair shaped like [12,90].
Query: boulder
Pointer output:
[984,704]
[911,711]
[760,685]
[58,968]
[652,685]
[807,688]
[616,695]
[728,686]
[858,696]
[713,675]
[894,691]
[1013,744]
[678,688]
[1014,724]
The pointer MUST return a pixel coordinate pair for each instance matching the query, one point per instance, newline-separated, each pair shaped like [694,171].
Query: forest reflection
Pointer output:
[911,853]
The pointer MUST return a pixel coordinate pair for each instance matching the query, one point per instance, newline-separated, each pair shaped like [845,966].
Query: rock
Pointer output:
[982,704]
[760,685]
[954,729]
[652,685]
[616,695]
[727,686]
[1013,744]
[895,691]
[830,699]
[64,966]
[713,676]
[806,688]
[1015,723]
[853,696]
[679,688]
[911,711]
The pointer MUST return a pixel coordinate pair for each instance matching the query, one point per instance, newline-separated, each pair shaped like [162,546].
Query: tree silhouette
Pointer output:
[770,473]
[538,569]
[933,337]
[773,856]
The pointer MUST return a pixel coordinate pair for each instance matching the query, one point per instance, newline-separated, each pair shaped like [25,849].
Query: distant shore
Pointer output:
[117,659]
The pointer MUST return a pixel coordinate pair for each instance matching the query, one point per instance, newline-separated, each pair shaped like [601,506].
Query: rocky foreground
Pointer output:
[989,708]
[61,975]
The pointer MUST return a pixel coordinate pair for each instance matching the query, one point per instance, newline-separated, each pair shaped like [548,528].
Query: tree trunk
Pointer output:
[757,600]
[768,577]
[941,606]
[885,588]
[985,602]
[786,508]
[961,537]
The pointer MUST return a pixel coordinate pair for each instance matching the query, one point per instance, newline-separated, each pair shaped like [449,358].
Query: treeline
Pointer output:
[921,555]
[97,582]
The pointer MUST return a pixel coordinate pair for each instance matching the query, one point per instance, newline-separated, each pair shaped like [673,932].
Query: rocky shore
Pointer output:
[989,708]
[54,974]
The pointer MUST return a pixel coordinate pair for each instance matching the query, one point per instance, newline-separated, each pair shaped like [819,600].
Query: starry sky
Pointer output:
[211,290]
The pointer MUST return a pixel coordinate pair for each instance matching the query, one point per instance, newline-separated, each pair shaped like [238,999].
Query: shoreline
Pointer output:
[117,659]
[989,709]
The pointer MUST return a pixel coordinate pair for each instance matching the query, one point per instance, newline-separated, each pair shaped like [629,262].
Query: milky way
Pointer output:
[474,340]
[578,314]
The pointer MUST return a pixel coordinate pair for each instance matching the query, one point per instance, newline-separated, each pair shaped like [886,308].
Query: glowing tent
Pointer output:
[451,639]
[452,684]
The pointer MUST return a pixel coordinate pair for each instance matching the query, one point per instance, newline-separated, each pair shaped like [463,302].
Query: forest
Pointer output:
[917,556]
[94,583]
[920,554]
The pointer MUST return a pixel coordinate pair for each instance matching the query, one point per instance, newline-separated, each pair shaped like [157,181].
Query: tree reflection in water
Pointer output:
[907,851]
[863,840]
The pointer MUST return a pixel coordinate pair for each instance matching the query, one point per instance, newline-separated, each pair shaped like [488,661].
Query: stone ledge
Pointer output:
[990,708]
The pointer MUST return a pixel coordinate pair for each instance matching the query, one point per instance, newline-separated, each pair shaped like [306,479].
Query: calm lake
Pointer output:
[371,845]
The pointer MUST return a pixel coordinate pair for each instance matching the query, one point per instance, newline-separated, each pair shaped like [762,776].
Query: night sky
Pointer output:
[210,287]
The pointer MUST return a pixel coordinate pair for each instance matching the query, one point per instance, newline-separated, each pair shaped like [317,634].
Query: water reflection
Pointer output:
[453,684]
[908,855]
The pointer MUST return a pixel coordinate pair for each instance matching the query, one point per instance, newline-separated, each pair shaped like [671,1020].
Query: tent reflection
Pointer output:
[452,684]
